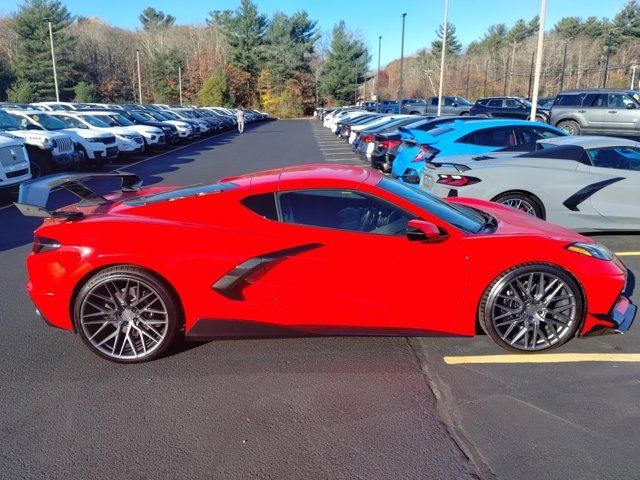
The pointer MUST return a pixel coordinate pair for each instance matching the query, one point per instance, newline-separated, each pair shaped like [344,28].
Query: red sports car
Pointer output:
[304,250]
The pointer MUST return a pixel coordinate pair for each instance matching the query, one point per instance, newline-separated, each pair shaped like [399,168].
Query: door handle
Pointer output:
[612,111]
[582,111]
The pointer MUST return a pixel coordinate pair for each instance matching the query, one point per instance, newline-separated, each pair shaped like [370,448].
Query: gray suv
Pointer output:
[597,112]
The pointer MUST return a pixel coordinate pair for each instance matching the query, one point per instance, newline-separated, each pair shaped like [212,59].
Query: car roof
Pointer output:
[308,176]
[590,141]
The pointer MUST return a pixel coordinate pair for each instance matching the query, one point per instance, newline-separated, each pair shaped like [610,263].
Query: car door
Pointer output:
[494,108]
[593,112]
[615,191]
[364,275]
[621,115]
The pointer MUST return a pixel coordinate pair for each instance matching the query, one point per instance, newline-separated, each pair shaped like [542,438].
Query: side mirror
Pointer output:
[423,231]
[454,104]
[631,106]
[31,126]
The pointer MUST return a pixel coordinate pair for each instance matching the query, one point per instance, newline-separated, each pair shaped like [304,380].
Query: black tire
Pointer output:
[571,127]
[388,111]
[541,119]
[522,201]
[150,283]
[464,114]
[556,336]
[39,167]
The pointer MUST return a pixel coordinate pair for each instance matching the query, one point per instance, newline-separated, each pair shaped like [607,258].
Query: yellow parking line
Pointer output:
[545,358]
[628,254]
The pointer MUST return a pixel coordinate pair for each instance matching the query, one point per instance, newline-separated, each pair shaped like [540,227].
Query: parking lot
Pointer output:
[364,407]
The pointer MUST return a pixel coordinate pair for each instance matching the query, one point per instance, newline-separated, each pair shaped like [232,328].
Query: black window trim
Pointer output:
[411,215]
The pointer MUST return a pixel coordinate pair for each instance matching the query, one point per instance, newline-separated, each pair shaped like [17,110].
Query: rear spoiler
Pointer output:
[34,194]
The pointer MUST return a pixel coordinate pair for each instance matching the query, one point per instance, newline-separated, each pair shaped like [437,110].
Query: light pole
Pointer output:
[180,83]
[564,65]
[633,75]
[53,60]
[442,54]
[536,78]
[139,77]
[400,90]
[606,62]
[378,74]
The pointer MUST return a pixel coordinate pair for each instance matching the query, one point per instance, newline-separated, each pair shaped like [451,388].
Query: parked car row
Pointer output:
[41,138]
[587,183]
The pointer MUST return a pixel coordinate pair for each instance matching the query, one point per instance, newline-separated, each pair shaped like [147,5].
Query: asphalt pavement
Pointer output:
[314,408]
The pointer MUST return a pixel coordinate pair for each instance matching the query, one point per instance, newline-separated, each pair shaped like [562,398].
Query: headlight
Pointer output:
[93,139]
[594,250]
[54,143]
[166,129]
[126,137]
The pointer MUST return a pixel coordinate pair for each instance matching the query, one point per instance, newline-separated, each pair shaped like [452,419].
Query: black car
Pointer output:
[506,107]
[170,131]
[365,137]
[344,127]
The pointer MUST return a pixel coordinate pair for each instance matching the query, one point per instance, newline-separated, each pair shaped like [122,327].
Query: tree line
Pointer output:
[578,53]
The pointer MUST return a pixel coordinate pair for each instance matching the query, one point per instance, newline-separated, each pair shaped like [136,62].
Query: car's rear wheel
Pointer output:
[531,308]
[523,202]
[126,314]
[569,126]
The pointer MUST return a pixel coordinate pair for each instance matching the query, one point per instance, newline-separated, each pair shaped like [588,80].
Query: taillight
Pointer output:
[456,180]
[426,153]
[42,244]
[367,138]
[387,144]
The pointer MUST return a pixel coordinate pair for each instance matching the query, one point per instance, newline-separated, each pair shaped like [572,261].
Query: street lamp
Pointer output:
[179,83]
[53,60]
[378,75]
[442,54]
[400,90]
[606,62]
[536,78]
[139,76]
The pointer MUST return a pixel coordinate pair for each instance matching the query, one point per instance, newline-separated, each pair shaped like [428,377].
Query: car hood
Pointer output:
[86,133]
[119,130]
[8,140]
[36,135]
[513,222]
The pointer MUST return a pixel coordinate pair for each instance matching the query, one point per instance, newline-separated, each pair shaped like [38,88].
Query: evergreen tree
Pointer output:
[245,30]
[152,19]
[22,91]
[33,57]
[215,91]
[84,93]
[569,27]
[453,44]
[347,62]
[164,76]
[291,41]
[626,24]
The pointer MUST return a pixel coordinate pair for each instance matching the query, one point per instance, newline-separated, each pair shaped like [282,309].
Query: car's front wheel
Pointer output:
[571,127]
[126,314]
[531,308]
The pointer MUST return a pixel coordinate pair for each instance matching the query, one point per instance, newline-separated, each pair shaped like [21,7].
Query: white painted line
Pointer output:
[628,254]
[338,153]
[544,358]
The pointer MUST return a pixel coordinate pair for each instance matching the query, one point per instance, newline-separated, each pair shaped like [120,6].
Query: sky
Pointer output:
[367,18]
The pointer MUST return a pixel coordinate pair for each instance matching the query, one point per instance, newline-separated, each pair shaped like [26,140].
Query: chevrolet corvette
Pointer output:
[297,251]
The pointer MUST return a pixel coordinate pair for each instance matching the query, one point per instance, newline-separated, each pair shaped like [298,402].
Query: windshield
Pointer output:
[7,122]
[99,122]
[120,120]
[47,121]
[170,115]
[527,103]
[140,117]
[461,217]
[462,101]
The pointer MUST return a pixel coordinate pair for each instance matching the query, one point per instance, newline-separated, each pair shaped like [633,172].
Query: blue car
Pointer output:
[461,137]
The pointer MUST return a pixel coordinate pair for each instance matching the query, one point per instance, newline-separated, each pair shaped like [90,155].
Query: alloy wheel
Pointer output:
[520,204]
[533,310]
[124,318]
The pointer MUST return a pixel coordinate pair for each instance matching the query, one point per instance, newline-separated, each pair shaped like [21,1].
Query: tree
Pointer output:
[494,39]
[152,19]
[453,44]
[214,91]
[84,93]
[33,56]
[22,91]
[164,76]
[346,64]
[569,27]
[245,30]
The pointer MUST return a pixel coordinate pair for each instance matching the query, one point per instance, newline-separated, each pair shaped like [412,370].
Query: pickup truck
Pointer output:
[418,106]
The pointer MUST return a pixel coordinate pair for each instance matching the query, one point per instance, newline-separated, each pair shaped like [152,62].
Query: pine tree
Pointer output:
[22,91]
[346,65]
[33,57]
[453,44]
[215,91]
[84,93]
[152,19]
[245,30]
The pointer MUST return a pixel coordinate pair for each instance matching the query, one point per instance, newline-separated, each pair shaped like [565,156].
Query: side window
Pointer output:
[434,101]
[533,134]
[343,210]
[595,100]
[622,158]
[619,100]
[263,204]
[495,103]
[448,101]
[510,103]
[492,137]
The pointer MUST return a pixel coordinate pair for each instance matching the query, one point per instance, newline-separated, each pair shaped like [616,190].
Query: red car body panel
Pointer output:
[333,286]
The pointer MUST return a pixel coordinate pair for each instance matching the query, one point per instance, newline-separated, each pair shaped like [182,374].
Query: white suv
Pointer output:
[153,136]
[129,141]
[14,162]
[48,151]
[99,147]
